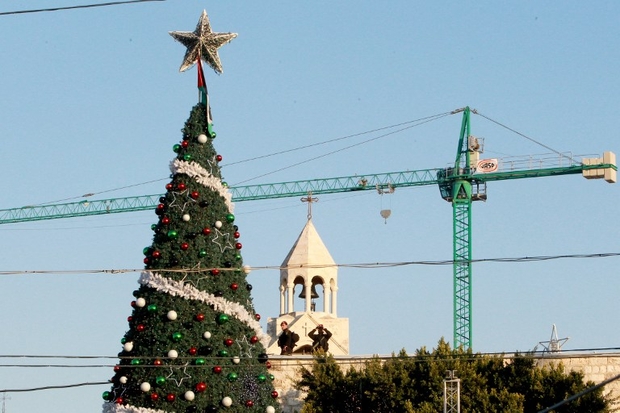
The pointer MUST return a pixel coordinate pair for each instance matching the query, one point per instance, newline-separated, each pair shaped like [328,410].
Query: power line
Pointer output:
[84,6]
[374,265]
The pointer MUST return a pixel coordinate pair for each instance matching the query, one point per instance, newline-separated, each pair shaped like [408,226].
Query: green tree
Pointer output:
[403,383]
[194,343]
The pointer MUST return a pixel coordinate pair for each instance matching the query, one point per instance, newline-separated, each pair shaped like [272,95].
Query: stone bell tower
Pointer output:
[309,293]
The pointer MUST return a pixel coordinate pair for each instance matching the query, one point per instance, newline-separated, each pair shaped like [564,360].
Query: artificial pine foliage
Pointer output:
[194,343]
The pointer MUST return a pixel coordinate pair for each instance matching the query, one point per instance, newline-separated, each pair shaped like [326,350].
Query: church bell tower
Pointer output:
[309,293]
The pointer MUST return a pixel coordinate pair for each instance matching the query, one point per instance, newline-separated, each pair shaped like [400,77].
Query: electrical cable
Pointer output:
[374,265]
[84,6]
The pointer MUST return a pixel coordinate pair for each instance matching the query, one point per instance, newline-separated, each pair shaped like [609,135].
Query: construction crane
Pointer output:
[460,184]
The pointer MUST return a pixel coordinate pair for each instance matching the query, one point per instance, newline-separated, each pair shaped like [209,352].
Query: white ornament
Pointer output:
[227,401]
[128,346]
[236,360]
[207,335]
[173,354]
[218,224]
[270,409]
[186,217]
[145,387]
[140,302]
[202,138]
[247,269]
[123,379]
[172,315]
[189,395]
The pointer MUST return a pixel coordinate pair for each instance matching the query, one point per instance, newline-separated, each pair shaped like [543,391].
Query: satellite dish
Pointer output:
[385,214]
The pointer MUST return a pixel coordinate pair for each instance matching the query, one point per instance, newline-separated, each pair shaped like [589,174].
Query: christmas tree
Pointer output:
[194,343]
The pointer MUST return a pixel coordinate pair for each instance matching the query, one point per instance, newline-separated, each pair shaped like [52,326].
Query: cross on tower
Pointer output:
[309,199]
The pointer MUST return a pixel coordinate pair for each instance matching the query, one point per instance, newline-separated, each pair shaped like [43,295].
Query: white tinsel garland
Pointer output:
[189,292]
[118,408]
[197,172]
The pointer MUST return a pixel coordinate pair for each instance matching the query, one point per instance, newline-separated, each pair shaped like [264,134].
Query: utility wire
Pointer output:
[84,6]
[354,265]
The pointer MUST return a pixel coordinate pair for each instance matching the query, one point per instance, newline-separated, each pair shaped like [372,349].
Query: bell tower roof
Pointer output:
[309,249]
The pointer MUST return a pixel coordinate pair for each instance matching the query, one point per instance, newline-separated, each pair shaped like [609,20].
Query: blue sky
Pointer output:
[92,101]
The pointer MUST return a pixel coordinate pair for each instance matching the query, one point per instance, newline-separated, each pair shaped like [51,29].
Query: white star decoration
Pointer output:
[178,198]
[202,43]
[222,240]
[195,275]
[175,370]
[245,350]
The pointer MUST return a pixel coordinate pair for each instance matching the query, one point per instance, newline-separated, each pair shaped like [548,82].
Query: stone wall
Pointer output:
[596,368]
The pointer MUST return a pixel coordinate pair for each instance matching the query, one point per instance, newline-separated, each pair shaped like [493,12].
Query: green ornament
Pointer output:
[123,340]
[153,227]
[200,362]
[222,318]
[160,380]
[106,395]
[172,234]
[225,184]
[146,250]
[222,353]
[176,148]
[151,308]
[203,253]
[187,157]
[232,376]
[272,377]
[177,336]
[261,377]
[230,218]
[135,362]
[238,257]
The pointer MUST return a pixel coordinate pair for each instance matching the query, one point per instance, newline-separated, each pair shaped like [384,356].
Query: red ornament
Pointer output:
[234,286]
[185,144]
[158,362]
[161,207]
[219,158]
[170,397]
[268,364]
[169,187]
[206,231]
[181,186]
[236,234]
[200,317]
[257,317]
[215,271]
[119,400]
[133,303]
[254,340]
[217,369]
[146,260]
[165,220]
[200,387]
[193,351]
[229,342]
[238,246]
[249,403]
[194,195]
[129,319]
[156,254]
[140,327]
[117,368]
[274,394]
[154,397]
[184,246]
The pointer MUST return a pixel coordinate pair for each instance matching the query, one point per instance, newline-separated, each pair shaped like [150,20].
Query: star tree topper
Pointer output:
[202,43]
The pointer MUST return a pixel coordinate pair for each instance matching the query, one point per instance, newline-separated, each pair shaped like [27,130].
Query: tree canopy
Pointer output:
[415,384]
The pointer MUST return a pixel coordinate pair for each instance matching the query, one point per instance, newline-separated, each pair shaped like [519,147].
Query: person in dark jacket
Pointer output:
[320,337]
[287,340]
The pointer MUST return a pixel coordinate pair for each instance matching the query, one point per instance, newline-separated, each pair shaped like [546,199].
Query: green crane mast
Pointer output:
[460,185]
